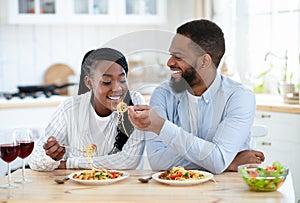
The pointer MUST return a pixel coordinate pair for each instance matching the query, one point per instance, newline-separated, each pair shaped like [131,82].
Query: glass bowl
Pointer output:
[264,178]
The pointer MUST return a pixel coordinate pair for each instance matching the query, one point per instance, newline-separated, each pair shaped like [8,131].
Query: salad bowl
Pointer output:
[263,178]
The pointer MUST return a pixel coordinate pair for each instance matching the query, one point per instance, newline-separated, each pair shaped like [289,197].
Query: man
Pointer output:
[198,119]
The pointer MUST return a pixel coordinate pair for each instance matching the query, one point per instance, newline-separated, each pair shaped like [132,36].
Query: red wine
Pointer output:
[9,152]
[26,148]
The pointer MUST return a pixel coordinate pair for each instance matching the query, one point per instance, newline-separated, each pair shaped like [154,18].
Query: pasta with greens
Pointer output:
[98,174]
[181,174]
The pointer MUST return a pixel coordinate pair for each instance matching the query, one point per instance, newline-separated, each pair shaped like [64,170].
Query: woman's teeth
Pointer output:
[114,98]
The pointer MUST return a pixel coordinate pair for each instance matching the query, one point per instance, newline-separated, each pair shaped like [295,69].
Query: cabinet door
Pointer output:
[142,11]
[281,126]
[93,11]
[33,11]
[286,153]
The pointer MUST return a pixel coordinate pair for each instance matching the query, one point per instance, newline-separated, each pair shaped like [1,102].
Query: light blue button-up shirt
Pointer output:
[225,116]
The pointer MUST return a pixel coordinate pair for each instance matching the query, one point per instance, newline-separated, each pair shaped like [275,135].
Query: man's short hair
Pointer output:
[207,35]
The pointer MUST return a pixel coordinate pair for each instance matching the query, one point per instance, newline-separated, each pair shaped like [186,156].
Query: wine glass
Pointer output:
[9,151]
[24,137]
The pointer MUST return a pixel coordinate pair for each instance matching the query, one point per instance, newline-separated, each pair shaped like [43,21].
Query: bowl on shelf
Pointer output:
[263,178]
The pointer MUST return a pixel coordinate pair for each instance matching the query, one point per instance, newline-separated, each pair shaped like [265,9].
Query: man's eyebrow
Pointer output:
[176,53]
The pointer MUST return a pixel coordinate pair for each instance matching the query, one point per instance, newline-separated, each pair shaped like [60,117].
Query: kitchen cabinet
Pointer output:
[282,142]
[87,11]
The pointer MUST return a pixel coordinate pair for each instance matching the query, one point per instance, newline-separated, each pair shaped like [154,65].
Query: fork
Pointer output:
[69,147]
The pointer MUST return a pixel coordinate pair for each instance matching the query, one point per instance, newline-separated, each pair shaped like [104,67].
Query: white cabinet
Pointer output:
[87,11]
[282,142]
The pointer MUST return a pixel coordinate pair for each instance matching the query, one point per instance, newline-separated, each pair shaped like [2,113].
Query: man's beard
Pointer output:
[185,81]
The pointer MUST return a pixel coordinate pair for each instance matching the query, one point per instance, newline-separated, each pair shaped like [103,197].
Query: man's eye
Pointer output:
[123,81]
[176,57]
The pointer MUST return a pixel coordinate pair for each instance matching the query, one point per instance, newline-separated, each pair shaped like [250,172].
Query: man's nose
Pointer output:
[171,61]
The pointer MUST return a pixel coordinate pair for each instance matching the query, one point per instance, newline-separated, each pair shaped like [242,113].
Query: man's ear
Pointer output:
[88,82]
[204,61]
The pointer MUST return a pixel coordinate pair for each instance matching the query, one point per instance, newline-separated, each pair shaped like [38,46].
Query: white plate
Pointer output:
[207,175]
[98,182]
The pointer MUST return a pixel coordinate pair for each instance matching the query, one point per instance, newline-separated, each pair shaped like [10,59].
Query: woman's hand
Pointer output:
[62,165]
[54,149]
[145,118]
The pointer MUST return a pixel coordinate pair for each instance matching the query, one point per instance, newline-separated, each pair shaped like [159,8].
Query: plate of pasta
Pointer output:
[98,176]
[180,177]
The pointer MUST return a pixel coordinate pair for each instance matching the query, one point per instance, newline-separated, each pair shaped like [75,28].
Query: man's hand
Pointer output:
[53,149]
[246,157]
[145,118]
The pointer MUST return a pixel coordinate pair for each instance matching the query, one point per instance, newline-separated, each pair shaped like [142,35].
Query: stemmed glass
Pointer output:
[9,151]
[24,137]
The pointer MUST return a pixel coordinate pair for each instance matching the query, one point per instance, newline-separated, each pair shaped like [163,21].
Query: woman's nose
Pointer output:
[116,86]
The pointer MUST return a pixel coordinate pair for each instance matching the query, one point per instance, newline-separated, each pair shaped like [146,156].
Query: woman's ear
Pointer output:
[88,82]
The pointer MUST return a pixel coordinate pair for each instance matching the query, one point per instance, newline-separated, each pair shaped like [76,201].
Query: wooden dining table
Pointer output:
[226,187]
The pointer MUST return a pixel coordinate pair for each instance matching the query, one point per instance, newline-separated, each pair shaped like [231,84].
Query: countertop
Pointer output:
[264,102]
[267,102]
[275,103]
[30,102]
[227,187]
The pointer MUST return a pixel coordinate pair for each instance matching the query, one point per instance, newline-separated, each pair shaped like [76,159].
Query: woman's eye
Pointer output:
[106,82]
[123,81]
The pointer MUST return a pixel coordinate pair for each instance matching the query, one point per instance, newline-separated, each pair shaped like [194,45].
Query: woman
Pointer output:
[91,119]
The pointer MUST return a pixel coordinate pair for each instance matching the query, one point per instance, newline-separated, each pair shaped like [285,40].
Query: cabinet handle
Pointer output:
[266,143]
[265,116]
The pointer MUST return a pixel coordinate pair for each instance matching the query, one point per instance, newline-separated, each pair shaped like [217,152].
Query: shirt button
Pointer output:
[206,101]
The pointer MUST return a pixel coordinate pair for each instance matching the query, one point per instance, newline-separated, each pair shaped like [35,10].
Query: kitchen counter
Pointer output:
[227,187]
[30,112]
[275,103]
[30,102]
[264,102]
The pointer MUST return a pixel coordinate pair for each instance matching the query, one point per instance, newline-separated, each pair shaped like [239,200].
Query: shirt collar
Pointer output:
[212,89]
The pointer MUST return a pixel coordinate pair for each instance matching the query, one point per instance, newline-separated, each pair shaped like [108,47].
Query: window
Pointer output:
[260,35]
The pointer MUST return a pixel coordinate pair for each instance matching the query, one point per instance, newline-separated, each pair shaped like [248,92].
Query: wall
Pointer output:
[26,51]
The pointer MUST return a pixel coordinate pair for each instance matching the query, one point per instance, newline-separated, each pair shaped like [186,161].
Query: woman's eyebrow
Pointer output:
[109,75]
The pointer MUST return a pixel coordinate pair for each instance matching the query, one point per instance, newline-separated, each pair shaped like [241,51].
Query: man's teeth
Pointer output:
[115,98]
[175,71]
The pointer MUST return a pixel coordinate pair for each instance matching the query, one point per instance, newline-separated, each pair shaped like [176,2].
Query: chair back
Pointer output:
[257,131]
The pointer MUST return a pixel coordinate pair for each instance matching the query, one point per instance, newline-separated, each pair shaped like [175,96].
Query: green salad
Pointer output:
[267,178]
